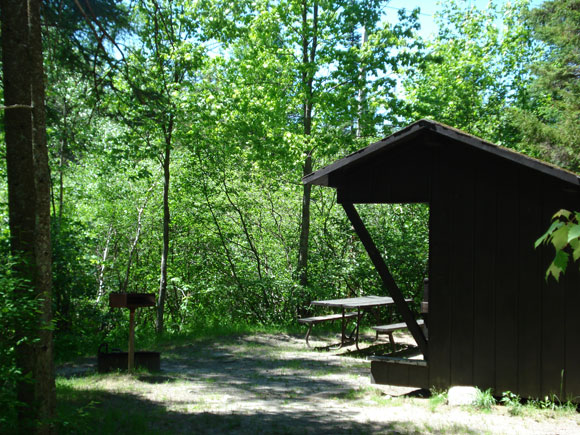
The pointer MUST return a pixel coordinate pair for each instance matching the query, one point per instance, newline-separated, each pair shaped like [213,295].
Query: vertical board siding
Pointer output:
[461,258]
[553,310]
[506,279]
[484,276]
[399,374]
[571,287]
[572,373]
[531,277]
[439,298]
[379,181]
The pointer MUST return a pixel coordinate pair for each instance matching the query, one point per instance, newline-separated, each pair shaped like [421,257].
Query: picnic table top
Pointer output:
[360,302]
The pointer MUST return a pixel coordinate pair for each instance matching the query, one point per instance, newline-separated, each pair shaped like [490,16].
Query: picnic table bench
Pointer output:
[362,304]
[389,329]
[311,321]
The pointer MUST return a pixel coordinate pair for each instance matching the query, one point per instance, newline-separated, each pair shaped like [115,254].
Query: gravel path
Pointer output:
[272,384]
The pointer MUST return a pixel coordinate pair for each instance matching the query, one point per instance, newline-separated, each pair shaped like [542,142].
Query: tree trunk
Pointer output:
[29,202]
[159,327]
[361,91]
[125,283]
[63,147]
[304,227]
[309,46]
[46,390]
[101,275]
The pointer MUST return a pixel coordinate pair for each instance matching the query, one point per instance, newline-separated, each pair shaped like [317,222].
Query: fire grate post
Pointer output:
[131,301]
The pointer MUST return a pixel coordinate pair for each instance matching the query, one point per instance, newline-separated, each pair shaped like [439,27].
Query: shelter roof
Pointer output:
[417,130]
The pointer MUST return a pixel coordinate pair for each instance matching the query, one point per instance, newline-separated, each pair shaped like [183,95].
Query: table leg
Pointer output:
[377,321]
[308,334]
[392,340]
[358,317]
[343,330]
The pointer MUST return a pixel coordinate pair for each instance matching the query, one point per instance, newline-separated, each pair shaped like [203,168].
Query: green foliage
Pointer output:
[564,236]
[222,84]
[438,398]
[19,311]
[401,233]
[73,279]
[513,402]
[554,404]
[478,70]
[484,400]
[237,147]
[550,120]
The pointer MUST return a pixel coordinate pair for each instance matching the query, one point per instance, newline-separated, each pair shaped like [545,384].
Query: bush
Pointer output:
[513,402]
[18,313]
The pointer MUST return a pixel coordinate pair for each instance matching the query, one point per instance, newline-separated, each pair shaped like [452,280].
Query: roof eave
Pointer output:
[321,177]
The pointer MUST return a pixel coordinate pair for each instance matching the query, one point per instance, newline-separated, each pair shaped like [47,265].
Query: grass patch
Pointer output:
[549,407]
[372,396]
[82,409]
[484,400]
[72,346]
[438,398]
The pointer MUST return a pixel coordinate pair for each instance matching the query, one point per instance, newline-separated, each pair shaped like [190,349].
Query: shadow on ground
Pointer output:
[106,412]
[246,384]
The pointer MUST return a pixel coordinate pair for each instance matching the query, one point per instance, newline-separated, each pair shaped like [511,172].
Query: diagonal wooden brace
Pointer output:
[386,277]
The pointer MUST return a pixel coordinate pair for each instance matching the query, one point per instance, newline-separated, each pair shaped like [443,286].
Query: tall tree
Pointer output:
[152,90]
[550,120]
[333,66]
[308,70]
[29,201]
[478,70]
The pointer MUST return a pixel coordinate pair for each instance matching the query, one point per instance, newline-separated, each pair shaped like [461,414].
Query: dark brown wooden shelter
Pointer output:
[494,321]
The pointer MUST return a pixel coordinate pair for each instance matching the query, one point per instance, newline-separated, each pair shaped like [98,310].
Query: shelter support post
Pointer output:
[386,277]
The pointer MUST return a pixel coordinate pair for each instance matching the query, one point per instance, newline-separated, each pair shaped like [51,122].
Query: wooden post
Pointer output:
[386,277]
[131,353]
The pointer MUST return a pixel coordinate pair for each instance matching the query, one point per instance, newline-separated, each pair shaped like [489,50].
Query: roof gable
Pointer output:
[412,131]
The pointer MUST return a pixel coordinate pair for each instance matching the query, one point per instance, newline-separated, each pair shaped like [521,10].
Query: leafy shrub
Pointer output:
[513,402]
[18,313]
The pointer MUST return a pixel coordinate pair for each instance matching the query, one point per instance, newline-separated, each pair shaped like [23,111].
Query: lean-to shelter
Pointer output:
[494,320]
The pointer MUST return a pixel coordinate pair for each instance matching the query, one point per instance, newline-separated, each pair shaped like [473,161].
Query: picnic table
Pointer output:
[351,308]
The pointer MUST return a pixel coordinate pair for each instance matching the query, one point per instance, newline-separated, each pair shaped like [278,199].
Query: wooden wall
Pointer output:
[397,177]
[494,321]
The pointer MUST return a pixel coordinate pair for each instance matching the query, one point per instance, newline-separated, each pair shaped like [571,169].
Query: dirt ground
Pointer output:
[264,383]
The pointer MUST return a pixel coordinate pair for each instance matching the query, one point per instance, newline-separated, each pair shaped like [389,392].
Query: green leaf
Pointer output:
[575,244]
[558,266]
[560,238]
[561,213]
[548,234]
[561,260]
[573,232]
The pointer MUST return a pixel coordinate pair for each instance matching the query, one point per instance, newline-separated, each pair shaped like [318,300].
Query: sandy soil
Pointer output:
[273,384]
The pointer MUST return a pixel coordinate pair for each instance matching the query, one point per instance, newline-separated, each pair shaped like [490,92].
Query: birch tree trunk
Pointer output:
[159,326]
[102,267]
